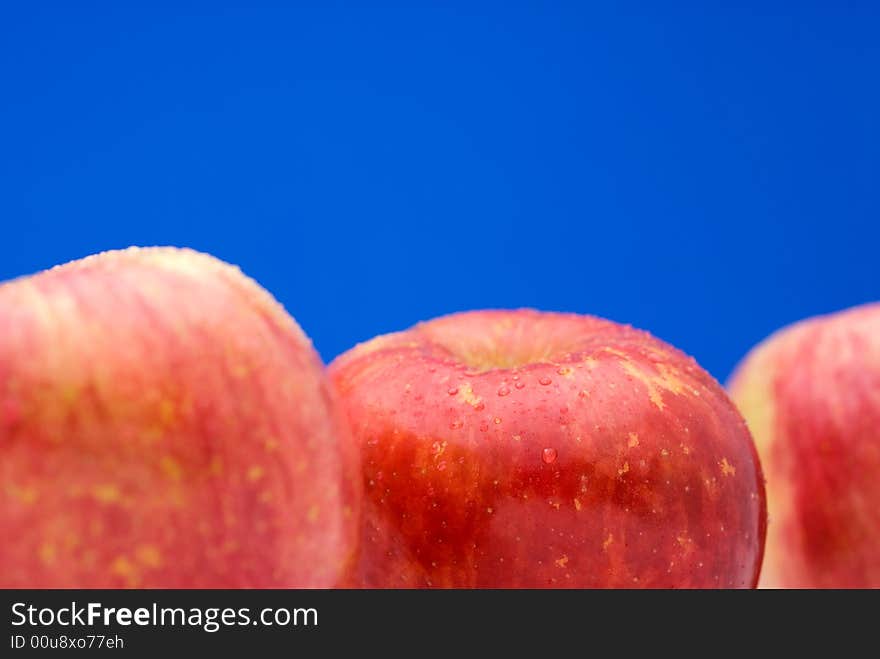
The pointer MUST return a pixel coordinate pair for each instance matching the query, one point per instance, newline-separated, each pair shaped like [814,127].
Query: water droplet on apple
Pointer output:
[545,381]
[497,420]
[548,455]
[479,406]
[503,391]
[452,391]
[441,466]
[519,385]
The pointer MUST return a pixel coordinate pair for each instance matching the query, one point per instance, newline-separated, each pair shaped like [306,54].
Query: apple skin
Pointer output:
[164,423]
[521,449]
[811,396]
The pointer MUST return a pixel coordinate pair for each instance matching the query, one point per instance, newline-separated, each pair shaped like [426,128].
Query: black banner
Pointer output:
[110,622]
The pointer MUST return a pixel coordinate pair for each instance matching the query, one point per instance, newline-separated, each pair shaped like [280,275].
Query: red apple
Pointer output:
[811,395]
[164,423]
[526,449]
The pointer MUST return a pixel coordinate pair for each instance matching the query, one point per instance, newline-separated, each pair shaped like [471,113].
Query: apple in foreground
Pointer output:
[520,449]
[811,396]
[165,423]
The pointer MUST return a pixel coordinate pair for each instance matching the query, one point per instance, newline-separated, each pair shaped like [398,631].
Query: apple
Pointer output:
[165,423]
[521,449]
[811,396]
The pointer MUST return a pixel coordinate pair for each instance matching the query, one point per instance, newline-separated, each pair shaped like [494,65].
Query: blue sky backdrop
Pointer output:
[707,174]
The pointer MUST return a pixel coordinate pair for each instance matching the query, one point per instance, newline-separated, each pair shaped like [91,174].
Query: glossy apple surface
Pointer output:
[527,449]
[165,423]
[811,395]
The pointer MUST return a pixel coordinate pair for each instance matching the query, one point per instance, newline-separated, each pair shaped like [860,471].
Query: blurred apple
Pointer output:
[811,395]
[164,423]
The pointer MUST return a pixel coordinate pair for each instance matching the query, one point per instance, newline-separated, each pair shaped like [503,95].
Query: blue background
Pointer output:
[708,175]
